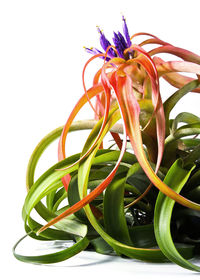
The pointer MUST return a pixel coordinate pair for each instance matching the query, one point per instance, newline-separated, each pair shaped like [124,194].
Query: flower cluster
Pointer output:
[121,43]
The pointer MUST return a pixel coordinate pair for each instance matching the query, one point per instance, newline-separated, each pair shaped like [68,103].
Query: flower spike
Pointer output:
[105,43]
[120,43]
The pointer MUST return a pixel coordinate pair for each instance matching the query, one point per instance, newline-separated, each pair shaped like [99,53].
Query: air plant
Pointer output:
[140,197]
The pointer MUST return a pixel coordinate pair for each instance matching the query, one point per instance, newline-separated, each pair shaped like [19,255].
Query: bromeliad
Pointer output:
[126,87]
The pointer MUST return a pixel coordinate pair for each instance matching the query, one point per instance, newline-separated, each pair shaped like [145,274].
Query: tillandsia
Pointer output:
[140,197]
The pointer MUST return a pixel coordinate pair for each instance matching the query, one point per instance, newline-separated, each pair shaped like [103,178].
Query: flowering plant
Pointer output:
[121,199]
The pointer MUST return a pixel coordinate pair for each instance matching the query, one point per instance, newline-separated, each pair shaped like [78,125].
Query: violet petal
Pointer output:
[126,33]
[119,46]
[105,44]
[96,51]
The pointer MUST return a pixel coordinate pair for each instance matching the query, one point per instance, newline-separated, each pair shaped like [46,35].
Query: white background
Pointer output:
[41,61]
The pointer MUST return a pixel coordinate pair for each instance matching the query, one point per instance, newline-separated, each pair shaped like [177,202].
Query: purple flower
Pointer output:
[121,43]
[95,51]
[126,33]
[105,44]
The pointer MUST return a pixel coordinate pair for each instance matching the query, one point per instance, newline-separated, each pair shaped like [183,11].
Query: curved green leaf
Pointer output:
[62,255]
[140,253]
[184,117]
[176,178]
[143,236]
[185,130]
[114,218]
[173,99]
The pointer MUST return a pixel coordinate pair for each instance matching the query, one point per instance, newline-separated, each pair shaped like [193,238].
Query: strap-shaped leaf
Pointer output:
[131,111]
[153,255]
[176,178]
[114,218]
[50,180]
[59,256]
[194,181]
[143,236]
[96,177]
[174,98]
[137,177]
[185,130]
[191,142]
[101,246]
[184,117]
[113,117]
[73,197]
[139,253]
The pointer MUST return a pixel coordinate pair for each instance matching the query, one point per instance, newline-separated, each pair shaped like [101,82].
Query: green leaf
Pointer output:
[173,99]
[59,256]
[73,197]
[194,180]
[114,218]
[101,246]
[176,178]
[154,255]
[137,178]
[143,236]
[185,118]
[185,130]
[191,142]
[145,254]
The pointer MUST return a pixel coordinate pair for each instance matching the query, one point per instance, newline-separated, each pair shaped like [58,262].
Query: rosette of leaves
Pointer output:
[139,198]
